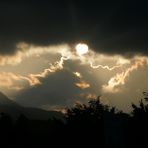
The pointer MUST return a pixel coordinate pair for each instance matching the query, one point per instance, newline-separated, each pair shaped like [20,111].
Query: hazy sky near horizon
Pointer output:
[40,65]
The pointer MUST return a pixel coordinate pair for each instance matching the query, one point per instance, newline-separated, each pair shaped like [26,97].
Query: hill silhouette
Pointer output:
[10,107]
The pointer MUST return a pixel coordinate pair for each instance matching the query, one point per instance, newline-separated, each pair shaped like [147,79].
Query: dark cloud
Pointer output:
[108,26]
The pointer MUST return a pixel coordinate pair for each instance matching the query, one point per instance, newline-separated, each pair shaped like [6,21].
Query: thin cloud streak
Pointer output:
[104,67]
[120,78]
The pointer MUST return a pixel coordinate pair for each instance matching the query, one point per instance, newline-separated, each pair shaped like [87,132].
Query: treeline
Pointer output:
[93,125]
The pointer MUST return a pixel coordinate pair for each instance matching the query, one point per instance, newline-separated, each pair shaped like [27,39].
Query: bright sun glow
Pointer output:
[81,49]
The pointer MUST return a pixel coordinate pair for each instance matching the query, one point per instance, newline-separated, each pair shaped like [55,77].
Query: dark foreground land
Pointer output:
[93,125]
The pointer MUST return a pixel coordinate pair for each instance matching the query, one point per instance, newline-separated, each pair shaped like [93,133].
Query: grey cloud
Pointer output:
[131,92]
[58,89]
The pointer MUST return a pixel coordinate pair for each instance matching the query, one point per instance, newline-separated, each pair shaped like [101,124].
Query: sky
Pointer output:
[56,53]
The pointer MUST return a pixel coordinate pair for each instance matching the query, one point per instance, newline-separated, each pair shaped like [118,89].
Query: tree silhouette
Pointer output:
[138,126]
[87,123]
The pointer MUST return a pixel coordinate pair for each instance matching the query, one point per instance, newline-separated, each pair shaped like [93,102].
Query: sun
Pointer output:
[81,49]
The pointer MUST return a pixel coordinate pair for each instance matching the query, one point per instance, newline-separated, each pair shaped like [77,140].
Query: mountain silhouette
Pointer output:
[4,100]
[12,108]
